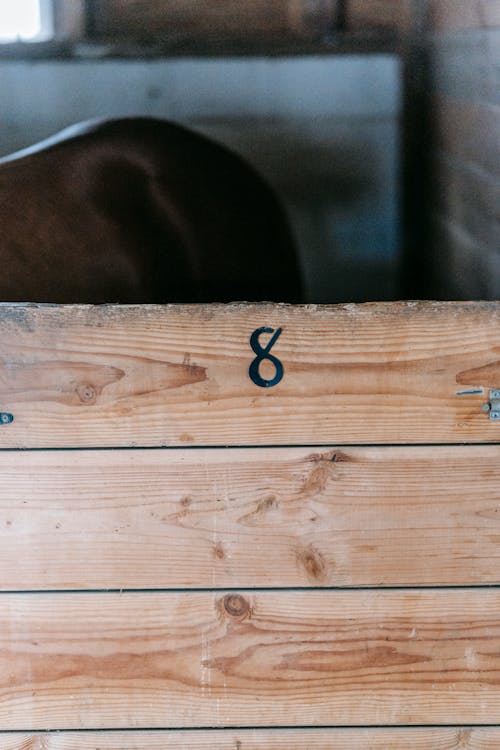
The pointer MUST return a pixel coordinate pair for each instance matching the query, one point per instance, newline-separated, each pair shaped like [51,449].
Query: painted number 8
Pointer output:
[265,353]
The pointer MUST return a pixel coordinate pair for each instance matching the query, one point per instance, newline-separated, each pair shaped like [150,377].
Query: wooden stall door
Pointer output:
[250,526]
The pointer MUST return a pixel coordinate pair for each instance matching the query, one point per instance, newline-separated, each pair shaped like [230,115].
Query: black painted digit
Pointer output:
[265,353]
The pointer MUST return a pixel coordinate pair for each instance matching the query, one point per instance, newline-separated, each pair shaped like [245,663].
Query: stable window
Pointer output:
[26,21]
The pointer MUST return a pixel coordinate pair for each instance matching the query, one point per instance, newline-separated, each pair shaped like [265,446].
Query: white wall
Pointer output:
[324,130]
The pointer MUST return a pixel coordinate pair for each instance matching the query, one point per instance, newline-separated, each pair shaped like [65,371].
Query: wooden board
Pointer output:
[78,376]
[239,557]
[78,661]
[232,518]
[311,739]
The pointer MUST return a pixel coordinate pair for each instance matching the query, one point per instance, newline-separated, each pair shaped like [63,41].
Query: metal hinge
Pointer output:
[493,407]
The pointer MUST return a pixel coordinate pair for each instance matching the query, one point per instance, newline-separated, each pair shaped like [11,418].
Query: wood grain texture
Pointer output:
[133,376]
[294,739]
[249,659]
[249,518]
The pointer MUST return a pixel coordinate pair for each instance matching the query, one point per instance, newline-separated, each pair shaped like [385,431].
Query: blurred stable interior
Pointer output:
[377,121]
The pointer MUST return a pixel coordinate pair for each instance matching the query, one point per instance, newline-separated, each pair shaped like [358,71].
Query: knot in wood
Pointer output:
[87,393]
[236,606]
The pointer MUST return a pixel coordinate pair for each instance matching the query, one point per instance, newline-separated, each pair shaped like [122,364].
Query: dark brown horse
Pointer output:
[140,210]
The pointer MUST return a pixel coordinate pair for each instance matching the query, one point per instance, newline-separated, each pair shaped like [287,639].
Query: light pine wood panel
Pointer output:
[294,739]
[249,517]
[249,659]
[173,375]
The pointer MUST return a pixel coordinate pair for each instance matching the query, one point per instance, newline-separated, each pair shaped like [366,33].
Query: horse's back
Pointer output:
[140,210]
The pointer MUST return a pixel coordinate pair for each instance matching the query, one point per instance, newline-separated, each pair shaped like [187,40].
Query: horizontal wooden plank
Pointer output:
[245,518]
[249,659]
[80,376]
[293,739]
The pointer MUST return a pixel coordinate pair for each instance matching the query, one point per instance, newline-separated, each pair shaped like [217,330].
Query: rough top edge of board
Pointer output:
[29,314]
[348,307]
